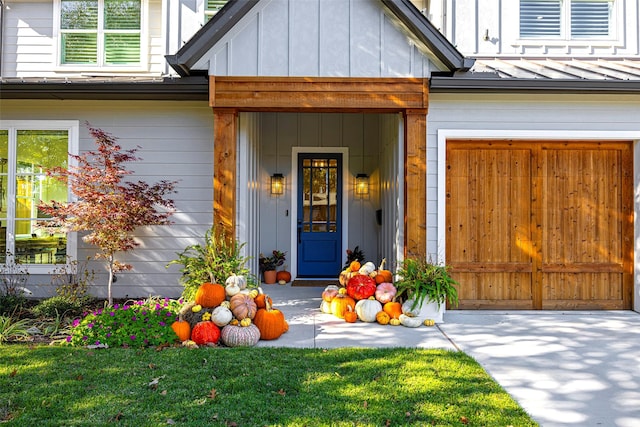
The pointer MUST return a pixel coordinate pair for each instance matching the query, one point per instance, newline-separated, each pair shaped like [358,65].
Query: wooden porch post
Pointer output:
[415,195]
[224,172]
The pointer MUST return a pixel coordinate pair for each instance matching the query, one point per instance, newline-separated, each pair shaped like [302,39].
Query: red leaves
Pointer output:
[108,206]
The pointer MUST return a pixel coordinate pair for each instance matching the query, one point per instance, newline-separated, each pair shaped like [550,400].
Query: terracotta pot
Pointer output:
[269,277]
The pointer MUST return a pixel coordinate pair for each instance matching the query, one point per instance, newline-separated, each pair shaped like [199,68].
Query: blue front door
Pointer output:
[319,214]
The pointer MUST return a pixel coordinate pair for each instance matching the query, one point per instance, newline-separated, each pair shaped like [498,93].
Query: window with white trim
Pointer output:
[27,150]
[100,32]
[211,7]
[566,19]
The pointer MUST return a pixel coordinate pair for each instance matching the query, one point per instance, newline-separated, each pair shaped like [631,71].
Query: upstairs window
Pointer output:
[100,32]
[212,7]
[566,19]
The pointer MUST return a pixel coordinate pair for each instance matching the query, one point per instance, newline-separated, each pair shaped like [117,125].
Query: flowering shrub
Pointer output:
[134,324]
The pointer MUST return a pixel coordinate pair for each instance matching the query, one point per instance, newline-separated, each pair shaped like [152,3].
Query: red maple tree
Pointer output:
[107,206]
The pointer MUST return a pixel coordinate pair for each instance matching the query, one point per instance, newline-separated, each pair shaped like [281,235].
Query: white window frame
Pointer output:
[565,25]
[142,66]
[72,127]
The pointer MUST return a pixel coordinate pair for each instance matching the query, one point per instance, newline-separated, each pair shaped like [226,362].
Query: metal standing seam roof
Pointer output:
[553,68]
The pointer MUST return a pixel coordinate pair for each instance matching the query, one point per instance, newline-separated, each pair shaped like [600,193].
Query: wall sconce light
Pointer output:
[277,184]
[362,184]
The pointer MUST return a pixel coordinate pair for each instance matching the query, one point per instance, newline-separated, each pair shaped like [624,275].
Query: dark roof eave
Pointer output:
[429,35]
[438,84]
[208,36]
[195,89]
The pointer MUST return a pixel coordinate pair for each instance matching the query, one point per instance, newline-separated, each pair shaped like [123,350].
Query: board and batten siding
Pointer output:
[328,38]
[175,143]
[30,44]
[518,116]
[368,137]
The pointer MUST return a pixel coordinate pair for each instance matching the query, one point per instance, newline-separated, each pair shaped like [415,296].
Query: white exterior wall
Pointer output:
[30,45]
[466,22]
[526,117]
[316,38]
[175,140]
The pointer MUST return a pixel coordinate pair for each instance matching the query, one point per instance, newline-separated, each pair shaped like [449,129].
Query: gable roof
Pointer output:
[223,21]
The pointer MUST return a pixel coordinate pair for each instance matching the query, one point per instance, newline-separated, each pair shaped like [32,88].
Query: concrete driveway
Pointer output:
[564,368]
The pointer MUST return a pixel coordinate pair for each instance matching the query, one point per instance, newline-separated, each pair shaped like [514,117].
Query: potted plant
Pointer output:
[425,287]
[269,264]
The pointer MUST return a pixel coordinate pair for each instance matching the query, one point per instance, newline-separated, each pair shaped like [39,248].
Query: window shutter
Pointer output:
[590,18]
[540,18]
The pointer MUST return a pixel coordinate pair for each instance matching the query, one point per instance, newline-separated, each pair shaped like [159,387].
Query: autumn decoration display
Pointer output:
[367,293]
[231,315]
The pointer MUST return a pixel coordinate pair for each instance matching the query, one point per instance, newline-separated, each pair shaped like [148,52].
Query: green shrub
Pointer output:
[61,305]
[133,324]
[212,262]
[11,303]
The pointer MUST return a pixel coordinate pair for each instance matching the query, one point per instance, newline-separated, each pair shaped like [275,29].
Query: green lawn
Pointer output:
[67,386]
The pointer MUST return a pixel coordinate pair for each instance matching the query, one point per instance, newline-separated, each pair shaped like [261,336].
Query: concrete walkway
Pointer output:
[564,368]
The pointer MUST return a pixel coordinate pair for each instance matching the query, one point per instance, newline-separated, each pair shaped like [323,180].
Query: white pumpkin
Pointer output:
[366,309]
[406,308]
[232,289]
[221,316]
[367,268]
[410,322]
[325,307]
[239,280]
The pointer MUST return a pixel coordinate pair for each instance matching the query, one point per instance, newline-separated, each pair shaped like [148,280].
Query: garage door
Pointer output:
[540,225]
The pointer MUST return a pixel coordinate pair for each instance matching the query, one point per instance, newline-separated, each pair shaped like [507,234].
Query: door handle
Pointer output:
[299,231]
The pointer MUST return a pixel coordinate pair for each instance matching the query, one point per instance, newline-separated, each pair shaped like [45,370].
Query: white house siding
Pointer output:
[27,49]
[328,38]
[175,144]
[30,45]
[521,116]
[466,22]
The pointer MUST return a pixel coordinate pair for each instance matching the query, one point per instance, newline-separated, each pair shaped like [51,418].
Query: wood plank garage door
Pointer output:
[540,225]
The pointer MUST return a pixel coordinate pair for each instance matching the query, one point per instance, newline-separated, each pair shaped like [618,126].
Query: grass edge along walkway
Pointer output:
[259,386]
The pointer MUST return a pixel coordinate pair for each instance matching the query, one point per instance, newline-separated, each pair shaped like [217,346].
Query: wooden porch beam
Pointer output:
[415,195]
[317,93]
[224,172]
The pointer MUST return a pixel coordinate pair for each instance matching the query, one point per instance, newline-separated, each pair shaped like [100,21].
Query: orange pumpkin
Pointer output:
[393,309]
[355,265]
[261,300]
[182,328]
[383,275]
[350,315]
[283,275]
[270,322]
[210,295]
[383,318]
